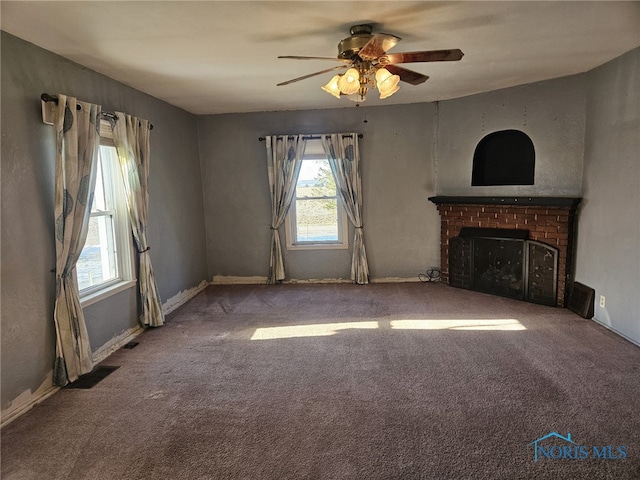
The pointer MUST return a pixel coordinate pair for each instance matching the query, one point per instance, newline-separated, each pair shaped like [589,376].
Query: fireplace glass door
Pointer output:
[498,267]
[509,267]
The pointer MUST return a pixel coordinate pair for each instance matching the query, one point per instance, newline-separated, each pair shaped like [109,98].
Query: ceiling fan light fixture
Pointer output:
[357,97]
[382,74]
[369,66]
[349,82]
[332,87]
[386,82]
[388,92]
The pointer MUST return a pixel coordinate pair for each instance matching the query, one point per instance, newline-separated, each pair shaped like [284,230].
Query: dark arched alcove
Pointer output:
[506,157]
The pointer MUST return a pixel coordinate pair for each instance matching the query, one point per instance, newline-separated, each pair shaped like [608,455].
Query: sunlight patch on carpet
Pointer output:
[459,324]
[317,330]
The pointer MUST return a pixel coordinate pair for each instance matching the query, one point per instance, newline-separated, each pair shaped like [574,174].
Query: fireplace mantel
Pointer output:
[570,202]
[549,220]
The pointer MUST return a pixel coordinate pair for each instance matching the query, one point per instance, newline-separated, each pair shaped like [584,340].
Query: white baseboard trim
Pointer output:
[629,339]
[233,280]
[394,280]
[183,297]
[294,281]
[116,343]
[27,400]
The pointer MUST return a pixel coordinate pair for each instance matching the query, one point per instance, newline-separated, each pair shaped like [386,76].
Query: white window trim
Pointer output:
[126,269]
[343,223]
[106,292]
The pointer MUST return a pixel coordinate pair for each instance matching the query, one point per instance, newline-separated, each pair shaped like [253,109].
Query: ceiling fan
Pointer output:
[368,65]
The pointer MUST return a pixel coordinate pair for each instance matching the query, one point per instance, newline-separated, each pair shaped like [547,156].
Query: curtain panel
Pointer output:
[284,159]
[77,130]
[344,159]
[131,139]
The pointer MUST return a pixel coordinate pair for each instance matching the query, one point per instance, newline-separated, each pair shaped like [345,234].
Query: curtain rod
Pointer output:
[45,97]
[311,137]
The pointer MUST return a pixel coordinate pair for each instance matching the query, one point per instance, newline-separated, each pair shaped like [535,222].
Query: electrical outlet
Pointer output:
[601,301]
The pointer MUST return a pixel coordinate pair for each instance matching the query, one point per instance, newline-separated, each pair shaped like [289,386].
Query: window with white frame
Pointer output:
[105,265]
[316,219]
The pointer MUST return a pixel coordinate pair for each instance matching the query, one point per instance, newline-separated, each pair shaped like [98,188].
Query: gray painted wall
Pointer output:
[552,113]
[176,230]
[401,228]
[608,253]
[121,312]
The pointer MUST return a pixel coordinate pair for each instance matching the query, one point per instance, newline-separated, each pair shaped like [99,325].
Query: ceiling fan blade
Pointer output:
[311,75]
[378,45]
[406,75]
[426,56]
[297,57]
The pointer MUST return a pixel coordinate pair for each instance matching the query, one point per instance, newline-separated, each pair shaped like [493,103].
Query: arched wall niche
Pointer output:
[505,157]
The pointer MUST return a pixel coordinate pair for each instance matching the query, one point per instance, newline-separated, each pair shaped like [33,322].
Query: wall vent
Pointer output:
[581,300]
[94,377]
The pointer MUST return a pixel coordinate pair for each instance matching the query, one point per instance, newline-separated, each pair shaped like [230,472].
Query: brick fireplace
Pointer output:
[548,220]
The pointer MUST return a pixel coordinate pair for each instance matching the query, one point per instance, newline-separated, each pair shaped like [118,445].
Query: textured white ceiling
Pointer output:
[221,57]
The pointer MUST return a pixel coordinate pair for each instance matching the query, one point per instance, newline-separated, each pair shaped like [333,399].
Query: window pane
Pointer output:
[317,220]
[315,179]
[99,198]
[97,263]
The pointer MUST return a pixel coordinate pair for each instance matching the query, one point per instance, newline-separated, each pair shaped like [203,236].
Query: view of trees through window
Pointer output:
[316,207]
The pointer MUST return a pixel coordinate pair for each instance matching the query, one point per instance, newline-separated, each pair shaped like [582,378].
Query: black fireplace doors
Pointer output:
[503,265]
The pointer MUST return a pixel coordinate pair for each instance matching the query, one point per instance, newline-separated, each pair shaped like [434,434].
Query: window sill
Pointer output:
[319,246]
[106,292]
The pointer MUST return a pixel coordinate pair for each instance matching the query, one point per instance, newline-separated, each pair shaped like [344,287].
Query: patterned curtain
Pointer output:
[284,159]
[77,127]
[344,158]
[131,139]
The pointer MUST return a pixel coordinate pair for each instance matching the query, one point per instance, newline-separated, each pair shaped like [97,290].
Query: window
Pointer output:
[105,265]
[316,218]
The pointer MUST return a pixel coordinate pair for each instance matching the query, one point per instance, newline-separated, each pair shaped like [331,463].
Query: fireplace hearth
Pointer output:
[518,247]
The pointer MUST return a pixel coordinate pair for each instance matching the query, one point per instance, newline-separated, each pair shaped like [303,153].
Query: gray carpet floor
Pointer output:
[384,381]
